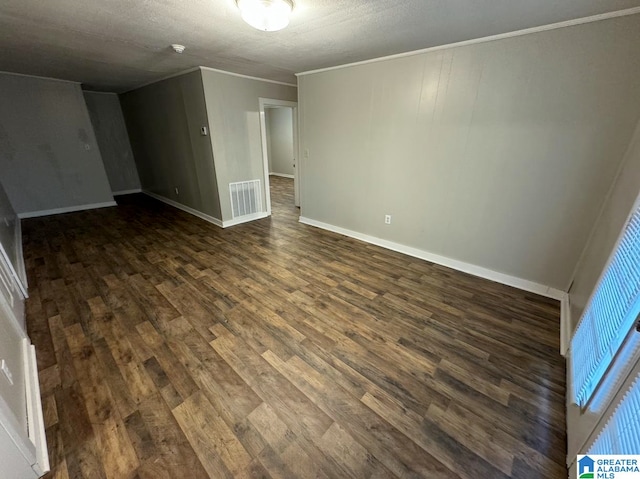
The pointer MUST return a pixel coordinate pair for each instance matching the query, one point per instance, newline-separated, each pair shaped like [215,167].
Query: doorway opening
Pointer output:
[278,125]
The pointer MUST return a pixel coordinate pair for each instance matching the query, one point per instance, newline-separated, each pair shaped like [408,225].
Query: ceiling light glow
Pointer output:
[266,15]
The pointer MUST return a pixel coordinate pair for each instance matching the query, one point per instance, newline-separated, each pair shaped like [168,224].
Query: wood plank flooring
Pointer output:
[170,348]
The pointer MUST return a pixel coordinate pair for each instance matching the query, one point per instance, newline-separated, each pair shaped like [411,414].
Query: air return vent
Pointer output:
[246,198]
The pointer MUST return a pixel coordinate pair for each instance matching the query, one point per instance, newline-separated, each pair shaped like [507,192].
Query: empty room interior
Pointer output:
[319,239]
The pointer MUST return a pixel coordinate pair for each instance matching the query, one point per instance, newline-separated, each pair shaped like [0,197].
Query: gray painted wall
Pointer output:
[164,121]
[113,140]
[279,126]
[615,211]
[233,109]
[49,157]
[498,154]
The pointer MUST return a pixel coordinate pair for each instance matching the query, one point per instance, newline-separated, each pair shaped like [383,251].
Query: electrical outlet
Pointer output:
[387,219]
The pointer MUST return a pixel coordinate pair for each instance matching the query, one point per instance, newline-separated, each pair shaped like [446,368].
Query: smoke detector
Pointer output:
[177,48]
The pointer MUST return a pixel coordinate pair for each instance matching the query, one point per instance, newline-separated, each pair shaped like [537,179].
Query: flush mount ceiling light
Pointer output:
[266,15]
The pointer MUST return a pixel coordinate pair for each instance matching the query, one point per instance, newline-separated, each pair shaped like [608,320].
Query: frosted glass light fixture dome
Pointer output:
[266,15]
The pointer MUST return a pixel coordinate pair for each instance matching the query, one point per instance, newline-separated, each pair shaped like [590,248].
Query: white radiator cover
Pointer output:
[246,198]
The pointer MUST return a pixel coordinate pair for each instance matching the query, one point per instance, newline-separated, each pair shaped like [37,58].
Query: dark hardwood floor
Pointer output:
[170,348]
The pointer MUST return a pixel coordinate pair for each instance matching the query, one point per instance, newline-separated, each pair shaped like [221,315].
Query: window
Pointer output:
[609,317]
[621,434]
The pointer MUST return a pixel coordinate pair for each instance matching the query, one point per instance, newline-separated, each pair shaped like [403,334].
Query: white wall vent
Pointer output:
[246,198]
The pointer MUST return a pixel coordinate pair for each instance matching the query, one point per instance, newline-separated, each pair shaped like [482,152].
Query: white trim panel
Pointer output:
[100,92]
[186,209]
[11,271]
[21,271]
[126,192]
[193,69]
[40,77]
[240,75]
[18,436]
[68,209]
[565,325]
[34,410]
[479,271]
[501,36]
[283,175]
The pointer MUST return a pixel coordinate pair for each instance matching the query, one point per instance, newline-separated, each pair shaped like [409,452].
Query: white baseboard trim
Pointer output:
[284,175]
[479,271]
[184,208]
[565,324]
[244,219]
[204,216]
[126,192]
[68,209]
[21,272]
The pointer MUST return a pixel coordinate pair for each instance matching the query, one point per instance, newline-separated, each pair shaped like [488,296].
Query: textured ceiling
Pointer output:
[116,45]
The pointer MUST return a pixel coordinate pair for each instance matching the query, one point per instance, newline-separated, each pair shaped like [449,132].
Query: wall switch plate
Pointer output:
[204,131]
[4,367]
[387,219]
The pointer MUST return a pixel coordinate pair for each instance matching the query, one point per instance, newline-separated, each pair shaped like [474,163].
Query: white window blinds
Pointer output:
[609,315]
[621,434]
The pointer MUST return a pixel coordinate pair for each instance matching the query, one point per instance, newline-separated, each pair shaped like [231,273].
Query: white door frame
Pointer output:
[264,103]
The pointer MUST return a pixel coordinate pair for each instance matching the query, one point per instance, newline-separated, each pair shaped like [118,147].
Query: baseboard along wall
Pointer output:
[475,270]
[283,175]
[184,208]
[67,209]
[126,192]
